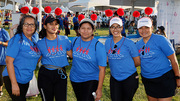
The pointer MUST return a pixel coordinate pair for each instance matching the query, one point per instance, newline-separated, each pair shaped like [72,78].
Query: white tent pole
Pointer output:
[132,10]
[4,11]
[30,2]
[40,15]
[14,9]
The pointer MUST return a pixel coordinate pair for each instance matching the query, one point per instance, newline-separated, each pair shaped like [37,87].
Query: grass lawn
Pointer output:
[139,96]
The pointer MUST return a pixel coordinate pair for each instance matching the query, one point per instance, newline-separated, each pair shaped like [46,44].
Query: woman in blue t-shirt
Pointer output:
[4,38]
[89,61]
[159,66]
[123,59]
[21,59]
[52,78]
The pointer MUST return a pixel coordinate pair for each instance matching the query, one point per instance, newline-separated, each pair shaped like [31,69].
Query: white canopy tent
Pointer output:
[91,9]
[133,3]
[13,2]
[89,3]
[10,7]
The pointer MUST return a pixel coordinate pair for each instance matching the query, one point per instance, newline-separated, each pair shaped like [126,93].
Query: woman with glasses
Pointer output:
[159,66]
[88,65]
[52,78]
[21,59]
[123,59]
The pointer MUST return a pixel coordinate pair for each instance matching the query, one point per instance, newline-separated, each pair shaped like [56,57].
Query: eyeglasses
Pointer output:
[114,51]
[143,50]
[31,25]
[113,27]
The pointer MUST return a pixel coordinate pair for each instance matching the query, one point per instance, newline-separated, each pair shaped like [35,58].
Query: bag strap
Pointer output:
[74,41]
[96,45]
[54,67]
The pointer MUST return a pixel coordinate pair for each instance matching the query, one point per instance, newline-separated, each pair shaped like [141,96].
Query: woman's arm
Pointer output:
[11,72]
[100,84]
[11,30]
[4,43]
[175,67]
[69,53]
[137,61]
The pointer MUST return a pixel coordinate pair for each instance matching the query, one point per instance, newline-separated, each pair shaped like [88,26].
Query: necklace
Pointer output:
[88,45]
[115,46]
[49,50]
[32,47]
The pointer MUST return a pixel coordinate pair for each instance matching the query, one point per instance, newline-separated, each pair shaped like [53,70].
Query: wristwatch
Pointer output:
[177,77]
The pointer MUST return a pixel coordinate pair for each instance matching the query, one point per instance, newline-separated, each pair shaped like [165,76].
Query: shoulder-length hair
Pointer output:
[20,26]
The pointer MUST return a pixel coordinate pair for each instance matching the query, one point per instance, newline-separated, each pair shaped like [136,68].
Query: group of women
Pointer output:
[159,66]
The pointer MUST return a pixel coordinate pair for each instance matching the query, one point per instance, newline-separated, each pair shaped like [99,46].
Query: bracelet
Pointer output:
[2,43]
[177,77]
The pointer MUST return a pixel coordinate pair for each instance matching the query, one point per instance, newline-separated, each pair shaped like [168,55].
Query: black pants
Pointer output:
[67,31]
[83,90]
[23,89]
[1,70]
[123,90]
[51,84]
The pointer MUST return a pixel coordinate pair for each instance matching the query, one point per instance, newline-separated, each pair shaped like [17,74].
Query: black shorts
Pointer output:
[76,27]
[67,31]
[160,87]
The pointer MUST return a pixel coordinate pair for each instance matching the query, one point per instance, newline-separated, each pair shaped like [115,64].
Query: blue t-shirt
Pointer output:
[53,52]
[25,57]
[153,54]
[65,24]
[86,60]
[4,36]
[61,21]
[36,36]
[75,19]
[121,63]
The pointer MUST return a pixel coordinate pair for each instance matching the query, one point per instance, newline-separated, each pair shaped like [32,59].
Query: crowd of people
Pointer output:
[154,53]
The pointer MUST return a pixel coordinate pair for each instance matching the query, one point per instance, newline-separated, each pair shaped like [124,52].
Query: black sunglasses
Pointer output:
[143,50]
[115,46]
[114,51]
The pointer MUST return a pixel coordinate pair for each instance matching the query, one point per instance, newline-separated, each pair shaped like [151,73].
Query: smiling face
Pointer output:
[116,30]
[145,31]
[52,28]
[86,31]
[28,27]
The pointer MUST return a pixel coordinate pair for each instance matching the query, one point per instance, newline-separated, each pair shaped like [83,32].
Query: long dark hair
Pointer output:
[20,26]
[43,32]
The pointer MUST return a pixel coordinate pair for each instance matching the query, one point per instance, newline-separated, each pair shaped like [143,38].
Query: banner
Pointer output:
[169,17]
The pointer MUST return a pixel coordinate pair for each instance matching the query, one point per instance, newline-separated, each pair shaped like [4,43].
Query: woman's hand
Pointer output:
[15,89]
[98,95]
[178,82]
[14,27]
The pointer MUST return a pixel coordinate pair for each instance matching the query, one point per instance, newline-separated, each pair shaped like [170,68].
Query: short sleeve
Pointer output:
[68,44]
[166,46]
[13,46]
[5,35]
[133,49]
[101,54]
